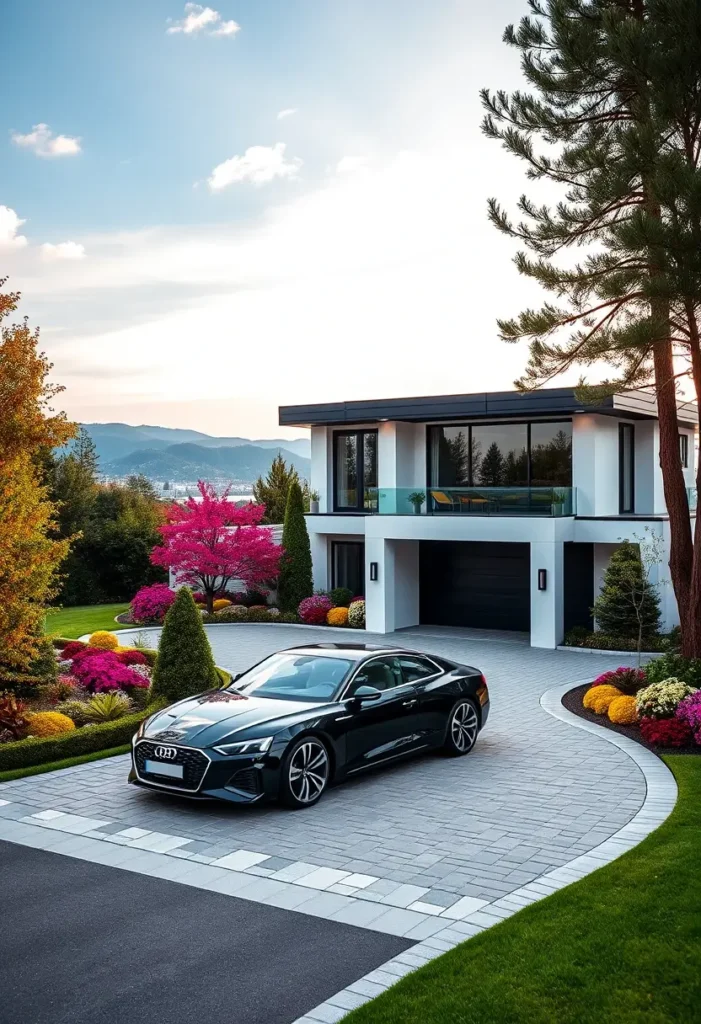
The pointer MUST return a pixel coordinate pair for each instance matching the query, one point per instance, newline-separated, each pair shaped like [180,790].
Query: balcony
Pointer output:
[477,501]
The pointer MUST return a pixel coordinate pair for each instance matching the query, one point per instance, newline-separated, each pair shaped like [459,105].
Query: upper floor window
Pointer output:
[355,470]
[501,455]
[684,450]
[626,467]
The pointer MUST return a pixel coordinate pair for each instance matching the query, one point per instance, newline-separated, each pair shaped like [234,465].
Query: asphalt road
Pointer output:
[89,944]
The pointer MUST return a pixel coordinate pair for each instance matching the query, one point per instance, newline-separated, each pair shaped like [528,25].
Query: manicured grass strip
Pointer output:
[93,740]
[69,762]
[623,946]
[73,622]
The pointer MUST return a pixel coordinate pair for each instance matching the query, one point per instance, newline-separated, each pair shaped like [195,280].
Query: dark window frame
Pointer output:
[359,469]
[494,423]
[626,430]
[684,450]
[335,544]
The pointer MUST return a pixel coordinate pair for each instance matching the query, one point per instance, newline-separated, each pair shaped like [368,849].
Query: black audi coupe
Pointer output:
[306,717]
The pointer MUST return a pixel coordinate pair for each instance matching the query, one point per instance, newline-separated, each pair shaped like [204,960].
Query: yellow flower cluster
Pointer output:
[220,603]
[337,617]
[598,698]
[104,639]
[622,710]
[49,723]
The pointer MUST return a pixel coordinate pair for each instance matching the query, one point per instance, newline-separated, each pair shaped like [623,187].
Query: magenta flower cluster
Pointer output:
[313,610]
[104,671]
[689,711]
[150,604]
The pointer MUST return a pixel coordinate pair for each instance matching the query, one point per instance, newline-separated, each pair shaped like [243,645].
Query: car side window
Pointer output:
[414,669]
[382,673]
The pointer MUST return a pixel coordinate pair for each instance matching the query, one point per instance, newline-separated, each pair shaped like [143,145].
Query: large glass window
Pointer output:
[355,470]
[626,467]
[348,565]
[551,454]
[501,455]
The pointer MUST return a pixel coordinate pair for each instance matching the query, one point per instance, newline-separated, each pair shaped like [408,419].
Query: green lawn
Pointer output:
[623,946]
[73,622]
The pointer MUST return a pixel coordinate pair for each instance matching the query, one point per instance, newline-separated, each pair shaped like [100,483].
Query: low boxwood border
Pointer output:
[88,740]
[68,762]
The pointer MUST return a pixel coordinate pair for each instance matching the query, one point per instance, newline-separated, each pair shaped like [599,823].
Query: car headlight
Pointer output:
[246,746]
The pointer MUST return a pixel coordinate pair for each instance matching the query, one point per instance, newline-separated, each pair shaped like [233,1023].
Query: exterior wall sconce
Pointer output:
[373,572]
[542,579]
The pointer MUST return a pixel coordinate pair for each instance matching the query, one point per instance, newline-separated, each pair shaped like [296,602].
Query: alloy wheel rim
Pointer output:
[309,771]
[464,726]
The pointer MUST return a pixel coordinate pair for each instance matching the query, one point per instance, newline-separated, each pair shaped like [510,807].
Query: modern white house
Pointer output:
[493,510]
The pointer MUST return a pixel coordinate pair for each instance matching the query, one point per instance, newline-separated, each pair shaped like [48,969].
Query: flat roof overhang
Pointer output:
[550,402]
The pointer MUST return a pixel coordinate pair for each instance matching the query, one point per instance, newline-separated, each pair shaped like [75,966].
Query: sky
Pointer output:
[214,211]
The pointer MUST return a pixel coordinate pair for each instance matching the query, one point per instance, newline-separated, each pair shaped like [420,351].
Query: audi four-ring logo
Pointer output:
[166,753]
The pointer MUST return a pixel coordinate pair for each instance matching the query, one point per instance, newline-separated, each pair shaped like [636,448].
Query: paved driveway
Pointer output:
[534,794]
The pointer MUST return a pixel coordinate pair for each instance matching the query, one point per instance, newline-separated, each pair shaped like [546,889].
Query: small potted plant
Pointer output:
[314,503]
[417,498]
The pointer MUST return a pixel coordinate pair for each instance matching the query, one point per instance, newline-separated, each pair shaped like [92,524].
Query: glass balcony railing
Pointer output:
[693,498]
[477,501]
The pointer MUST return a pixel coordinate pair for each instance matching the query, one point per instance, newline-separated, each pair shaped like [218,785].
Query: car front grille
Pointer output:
[194,764]
[247,779]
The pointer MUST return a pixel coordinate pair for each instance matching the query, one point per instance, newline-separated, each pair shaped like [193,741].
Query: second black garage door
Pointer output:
[475,584]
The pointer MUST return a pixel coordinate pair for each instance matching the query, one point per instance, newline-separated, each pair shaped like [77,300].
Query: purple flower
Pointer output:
[689,711]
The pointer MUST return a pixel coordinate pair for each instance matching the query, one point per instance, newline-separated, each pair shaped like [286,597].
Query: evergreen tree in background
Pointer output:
[272,492]
[492,467]
[627,605]
[140,484]
[185,665]
[616,104]
[295,582]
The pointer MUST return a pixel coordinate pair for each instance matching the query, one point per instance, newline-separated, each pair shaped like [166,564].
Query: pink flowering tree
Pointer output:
[209,542]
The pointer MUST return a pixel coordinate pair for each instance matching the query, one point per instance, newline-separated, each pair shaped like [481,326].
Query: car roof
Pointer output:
[356,652]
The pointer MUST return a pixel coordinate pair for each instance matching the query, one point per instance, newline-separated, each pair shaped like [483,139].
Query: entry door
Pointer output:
[348,565]
[386,727]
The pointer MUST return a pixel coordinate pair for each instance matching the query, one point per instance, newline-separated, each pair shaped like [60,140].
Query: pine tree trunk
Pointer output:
[692,647]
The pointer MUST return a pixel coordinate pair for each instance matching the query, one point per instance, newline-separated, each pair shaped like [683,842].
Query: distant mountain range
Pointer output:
[176,455]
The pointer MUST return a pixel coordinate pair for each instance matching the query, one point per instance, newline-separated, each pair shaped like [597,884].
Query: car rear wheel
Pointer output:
[305,773]
[463,727]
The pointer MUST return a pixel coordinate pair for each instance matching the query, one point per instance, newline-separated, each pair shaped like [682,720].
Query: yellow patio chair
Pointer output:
[443,500]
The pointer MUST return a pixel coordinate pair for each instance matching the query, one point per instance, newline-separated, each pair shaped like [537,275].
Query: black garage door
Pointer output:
[475,584]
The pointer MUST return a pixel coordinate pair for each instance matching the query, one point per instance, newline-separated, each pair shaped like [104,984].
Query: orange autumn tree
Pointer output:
[30,555]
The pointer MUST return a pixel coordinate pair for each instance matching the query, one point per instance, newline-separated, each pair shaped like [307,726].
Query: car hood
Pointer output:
[216,716]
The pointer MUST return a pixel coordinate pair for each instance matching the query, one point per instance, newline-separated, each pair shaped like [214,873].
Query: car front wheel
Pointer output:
[305,773]
[463,726]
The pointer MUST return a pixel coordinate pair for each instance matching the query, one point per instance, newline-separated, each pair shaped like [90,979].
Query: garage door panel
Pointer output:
[485,585]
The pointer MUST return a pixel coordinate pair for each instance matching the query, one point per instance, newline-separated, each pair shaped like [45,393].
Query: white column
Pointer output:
[320,473]
[547,606]
[379,610]
[319,544]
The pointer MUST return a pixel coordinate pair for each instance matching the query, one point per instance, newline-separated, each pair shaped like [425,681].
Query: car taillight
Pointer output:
[482,691]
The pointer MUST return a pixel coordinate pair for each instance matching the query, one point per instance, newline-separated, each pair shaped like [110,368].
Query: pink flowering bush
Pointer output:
[150,604]
[689,711]
[104,671]
[132,657]
[313,610]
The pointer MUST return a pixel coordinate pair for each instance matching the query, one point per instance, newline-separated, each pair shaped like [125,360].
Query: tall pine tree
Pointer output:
[616,105]
[295,582]
[272,492]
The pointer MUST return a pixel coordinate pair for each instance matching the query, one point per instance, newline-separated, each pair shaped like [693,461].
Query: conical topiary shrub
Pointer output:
[185,665]
[295,581]
[627,605]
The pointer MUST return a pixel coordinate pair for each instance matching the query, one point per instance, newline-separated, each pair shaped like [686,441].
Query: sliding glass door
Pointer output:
[355,471]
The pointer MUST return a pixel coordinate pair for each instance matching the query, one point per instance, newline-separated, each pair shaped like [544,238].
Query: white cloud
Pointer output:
[205,20]
[259,165]
[10,223]
[351,164]
[63,251]
[287,112]
[42,141]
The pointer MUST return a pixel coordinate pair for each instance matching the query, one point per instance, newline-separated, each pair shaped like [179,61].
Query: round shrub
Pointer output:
[220,604]
[627,680]
[313,610]
[259,614]
[660,700]
[257,607]
[689,711]
[185,665]
[622,710]
[337,616]
[356,614]
[105,640]
[73,709]
[106,672]
[69,650]
[598,698]
[341,596]
[674,666]
[130,656]
[49,723]
[234,613]
[150,604]
[666,732]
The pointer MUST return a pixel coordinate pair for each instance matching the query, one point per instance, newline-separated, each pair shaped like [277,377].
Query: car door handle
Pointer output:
[409,703]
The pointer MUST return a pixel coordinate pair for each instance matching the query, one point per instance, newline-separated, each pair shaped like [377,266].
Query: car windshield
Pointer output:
[295,677]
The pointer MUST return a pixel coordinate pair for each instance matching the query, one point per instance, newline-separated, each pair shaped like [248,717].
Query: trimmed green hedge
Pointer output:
[88,740]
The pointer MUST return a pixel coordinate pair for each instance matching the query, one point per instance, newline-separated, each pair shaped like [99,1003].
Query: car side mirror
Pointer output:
[366,693]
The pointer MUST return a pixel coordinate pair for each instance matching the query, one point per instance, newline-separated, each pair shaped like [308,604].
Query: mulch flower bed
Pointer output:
[573,702]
